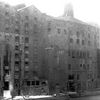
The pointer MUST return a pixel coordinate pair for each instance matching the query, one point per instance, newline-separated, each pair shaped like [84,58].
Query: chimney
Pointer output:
[68,10]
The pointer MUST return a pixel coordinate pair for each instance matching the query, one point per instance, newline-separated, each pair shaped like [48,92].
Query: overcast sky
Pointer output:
[85,10]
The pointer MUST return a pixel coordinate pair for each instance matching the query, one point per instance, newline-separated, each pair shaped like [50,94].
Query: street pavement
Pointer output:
[87,98]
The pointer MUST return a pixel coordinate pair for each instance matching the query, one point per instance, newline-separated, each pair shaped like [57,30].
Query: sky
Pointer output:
[85,10]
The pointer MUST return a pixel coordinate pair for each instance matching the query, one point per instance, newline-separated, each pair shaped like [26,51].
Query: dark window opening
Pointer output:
[80,54]
[83,42]
[26,31]
[26,39]
[73,54]
[6,13]
[78,34]
[77,41]
[78,77]
[49,26]
[35,18]
[17,38]
[6,71]
[16,85]
[77,53]
[71,40]
[6,85]
[26,48]
[33,82]
[16,47]
[17,63]
[88,35]
[16,55]
[80,65]
[65,31]
[37,82]
[28,83]
[89,43]
[26,17]
[84,66]
[26,63]
[71,77]
[26,25]
[43,83]
[26,55]
[69,66]
[69,53]
[16,30]
[71,86]
[7,28]
[59,31]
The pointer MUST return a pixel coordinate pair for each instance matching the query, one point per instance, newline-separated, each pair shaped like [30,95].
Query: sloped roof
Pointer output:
[71,19]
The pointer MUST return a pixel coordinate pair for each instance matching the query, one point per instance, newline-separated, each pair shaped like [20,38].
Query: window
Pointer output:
[71,40]
[59,31]
[83,42]
[83,34]
[17,38]
[77,41]
[6,13]
[16,55]
[84,54]
[73,54]
[69,66]
[88,35]
[88,67]
[26,31]
[43,83]
[16,47]
[80,65]
[77,53]
[37,82]
[70,32]
[78,77]
[26,39]
[7,28]
[78,34]
[16,29]
[16,75]
[65,31]
[26,17]
[35,28]
[88,55]
[26,63]
[28,83]
[80,54]
[6,86]
[16,68]
[26,25]
[16,62]
[71,77]
[26,71]
[35,18]
[26,48]
[89,43]
[26,55]
[49,26]
[17,22]
[33,82]
[49,29]
[84,66]
[69,53]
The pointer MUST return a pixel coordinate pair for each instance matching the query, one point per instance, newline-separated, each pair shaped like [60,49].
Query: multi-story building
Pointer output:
[73,58]
[41,51]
